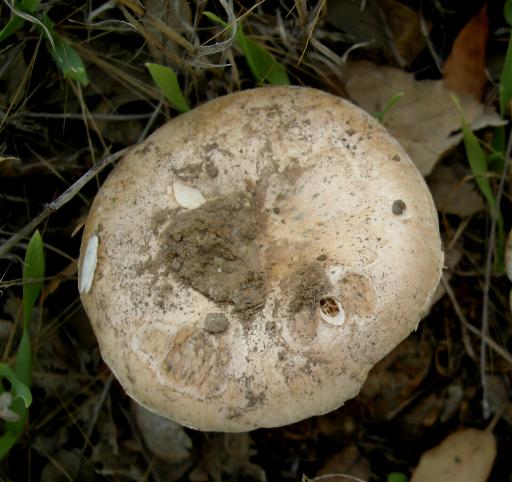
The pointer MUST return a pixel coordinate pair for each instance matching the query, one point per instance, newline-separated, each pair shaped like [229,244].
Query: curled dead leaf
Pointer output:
[464,69]
[425,120]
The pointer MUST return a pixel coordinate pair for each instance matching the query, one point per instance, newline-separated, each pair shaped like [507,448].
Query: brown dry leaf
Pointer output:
[425,120]
[464,456]
[394,380]
[453,192]
[464,69]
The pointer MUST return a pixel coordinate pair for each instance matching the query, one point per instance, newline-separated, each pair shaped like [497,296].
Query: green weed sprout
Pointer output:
[14,403]
[167,82]
[479,163]
[64,55]
[397,477]
[391,102]
[263,65]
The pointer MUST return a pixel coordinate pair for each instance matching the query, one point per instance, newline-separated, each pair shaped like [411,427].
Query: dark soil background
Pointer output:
[82,425]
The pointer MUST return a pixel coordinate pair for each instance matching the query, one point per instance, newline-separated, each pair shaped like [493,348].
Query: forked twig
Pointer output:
[63,199]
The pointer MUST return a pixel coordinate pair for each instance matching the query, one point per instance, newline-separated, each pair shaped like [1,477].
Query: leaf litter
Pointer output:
[79,425]
[425,120]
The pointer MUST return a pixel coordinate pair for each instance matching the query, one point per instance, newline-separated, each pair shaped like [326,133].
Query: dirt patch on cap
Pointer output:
[307,286]
[215,249]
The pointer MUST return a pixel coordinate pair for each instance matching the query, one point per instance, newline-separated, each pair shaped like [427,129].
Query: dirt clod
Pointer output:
[215,250]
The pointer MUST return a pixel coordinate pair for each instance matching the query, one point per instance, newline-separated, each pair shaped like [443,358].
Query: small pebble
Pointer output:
[398,207]
[216,323]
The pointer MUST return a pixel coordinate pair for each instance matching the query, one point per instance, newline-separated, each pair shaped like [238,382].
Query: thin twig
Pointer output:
[487,284]
[318,8]
[97,409]
[63,199]
[150,122]
[97,116]
[505,354]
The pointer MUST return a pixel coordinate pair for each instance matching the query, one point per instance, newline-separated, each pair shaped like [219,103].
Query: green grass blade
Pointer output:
[507,12]
[478,163]
[64,55]
[18,388]
[22,399]
[23,363]
[505,89]
[16,22]
[497,157]
[215,18]
[397,477]
[263,65]
[13,25]
[33,272]
[380,115]
[18,427]
[21,377]
[477,158]
[68,60]
[167,82]
[29,5]
[7,441]
[23,371]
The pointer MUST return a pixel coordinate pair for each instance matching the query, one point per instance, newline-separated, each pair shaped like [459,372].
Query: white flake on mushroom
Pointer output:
[89,264]
[186,196]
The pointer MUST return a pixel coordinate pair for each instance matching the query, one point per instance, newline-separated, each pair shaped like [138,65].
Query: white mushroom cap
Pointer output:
[256,257]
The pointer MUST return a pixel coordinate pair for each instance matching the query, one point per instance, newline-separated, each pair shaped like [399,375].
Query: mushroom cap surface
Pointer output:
[250,262]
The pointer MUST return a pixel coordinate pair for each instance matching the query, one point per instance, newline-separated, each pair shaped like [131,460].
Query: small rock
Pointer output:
[216,323]
[398,207]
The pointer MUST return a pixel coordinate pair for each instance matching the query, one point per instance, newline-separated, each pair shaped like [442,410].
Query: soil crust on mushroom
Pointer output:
[216,250]
[308,284]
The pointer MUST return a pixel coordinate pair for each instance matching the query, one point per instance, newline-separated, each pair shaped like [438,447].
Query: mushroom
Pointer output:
[249,263]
